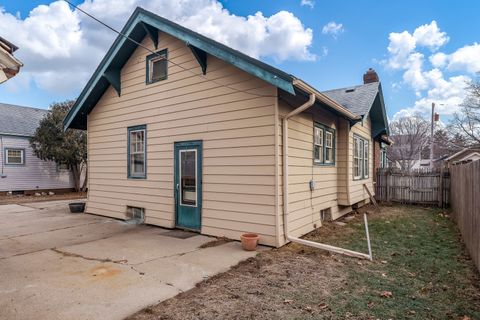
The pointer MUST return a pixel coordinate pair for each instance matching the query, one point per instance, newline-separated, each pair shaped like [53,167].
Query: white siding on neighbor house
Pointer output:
[237,130]
[34,173]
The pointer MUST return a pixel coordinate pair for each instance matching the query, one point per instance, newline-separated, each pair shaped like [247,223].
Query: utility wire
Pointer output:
[161,56]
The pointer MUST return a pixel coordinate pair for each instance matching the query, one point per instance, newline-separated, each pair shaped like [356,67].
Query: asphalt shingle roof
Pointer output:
[17,120]
[357,99]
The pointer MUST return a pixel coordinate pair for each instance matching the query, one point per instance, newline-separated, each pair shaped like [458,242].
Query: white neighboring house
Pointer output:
[463,156]
[20,170]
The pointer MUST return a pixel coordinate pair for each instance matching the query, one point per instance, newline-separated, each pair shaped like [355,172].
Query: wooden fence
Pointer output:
[465,202]
[426,186]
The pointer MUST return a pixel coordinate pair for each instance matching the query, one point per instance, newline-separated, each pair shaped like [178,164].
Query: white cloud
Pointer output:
[308,3]
[466,58]
[430,83]
[439,59]
[60,47]
[429,35]
[333,28]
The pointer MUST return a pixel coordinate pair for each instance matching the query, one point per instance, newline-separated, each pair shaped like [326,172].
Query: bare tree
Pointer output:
[468,119]
[411,137]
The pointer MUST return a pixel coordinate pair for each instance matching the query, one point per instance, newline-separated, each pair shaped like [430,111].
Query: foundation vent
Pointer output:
[135,215]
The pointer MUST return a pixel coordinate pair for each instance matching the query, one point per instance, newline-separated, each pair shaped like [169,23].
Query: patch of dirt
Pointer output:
[19,199]
[272,285]
[215,243]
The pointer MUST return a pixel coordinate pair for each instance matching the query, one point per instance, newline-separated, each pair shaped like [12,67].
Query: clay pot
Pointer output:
[249,241]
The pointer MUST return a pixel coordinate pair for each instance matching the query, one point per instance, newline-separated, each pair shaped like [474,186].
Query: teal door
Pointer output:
[188,184]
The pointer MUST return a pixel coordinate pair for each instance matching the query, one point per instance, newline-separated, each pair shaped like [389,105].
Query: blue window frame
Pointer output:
[157,66]
[324,147]
[14,156]
[137,152]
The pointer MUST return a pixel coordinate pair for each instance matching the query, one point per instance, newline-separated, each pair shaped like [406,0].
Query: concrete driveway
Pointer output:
[57,265]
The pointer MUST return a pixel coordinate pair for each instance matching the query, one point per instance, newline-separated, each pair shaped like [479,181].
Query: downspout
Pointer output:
[288,237]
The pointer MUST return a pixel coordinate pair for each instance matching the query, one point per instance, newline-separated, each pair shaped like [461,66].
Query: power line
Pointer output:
[161,56]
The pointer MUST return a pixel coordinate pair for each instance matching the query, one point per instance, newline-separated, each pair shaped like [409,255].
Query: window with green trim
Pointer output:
[157,66]
[323,145]
[361,163]
[137,152]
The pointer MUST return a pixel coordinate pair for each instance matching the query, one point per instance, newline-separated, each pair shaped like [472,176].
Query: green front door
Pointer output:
[188,184]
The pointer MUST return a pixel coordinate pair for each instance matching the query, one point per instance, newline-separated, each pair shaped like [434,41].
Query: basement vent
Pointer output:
[349,90]
[326,214]
[135,214]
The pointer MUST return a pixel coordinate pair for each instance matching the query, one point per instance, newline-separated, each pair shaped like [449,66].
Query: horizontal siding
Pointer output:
[305,205]
[237,130]
[35,174]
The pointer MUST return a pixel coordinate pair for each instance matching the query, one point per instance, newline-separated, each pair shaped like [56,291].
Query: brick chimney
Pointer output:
[370,76]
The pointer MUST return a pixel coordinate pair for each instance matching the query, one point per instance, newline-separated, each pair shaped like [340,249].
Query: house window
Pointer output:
[157,66]
[361,166]
[383,158]
[14,156]
[323,145]
[137,162]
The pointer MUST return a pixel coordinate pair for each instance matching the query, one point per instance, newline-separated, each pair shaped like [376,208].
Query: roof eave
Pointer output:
[300,84]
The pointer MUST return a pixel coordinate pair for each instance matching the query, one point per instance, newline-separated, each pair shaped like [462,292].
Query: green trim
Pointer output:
[113,77]
[152,33]
[24,157]
[130,129]
[162,53]
[201,57]
[334,145]
[362,176]
[198,145]
[122,49]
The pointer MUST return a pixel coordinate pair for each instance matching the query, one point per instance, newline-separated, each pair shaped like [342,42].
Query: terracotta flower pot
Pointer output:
[249,241]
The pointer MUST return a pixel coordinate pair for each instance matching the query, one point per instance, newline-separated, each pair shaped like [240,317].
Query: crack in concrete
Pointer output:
[51,230]
[76,255]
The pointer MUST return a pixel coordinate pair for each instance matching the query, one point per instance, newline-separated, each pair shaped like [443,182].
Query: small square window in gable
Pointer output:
[157,66]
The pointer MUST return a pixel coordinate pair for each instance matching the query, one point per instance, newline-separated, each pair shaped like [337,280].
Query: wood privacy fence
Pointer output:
[465,201]
[426,186]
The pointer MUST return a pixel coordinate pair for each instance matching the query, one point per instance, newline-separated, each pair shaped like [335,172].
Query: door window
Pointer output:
[188,177]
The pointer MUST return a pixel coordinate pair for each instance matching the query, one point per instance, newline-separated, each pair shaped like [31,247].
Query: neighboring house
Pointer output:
[20,170]
[193,137]
[465,155]
[408,152]
[9,65]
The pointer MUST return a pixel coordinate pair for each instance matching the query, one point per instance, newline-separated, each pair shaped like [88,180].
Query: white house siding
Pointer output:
[237,130]
[34,174]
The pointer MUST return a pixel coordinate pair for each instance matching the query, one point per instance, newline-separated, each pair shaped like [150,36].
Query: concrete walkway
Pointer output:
[57,265]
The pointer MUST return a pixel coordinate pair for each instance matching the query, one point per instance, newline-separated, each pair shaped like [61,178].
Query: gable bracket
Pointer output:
[152,33]
[201,57]
[113,77]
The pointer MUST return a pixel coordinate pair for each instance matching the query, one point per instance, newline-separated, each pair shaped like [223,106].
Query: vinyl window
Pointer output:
[137,152]
[323,145]
[14,156]
[157,66]
[361,159]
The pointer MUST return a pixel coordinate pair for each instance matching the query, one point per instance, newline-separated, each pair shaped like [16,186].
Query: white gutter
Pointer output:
[288,237]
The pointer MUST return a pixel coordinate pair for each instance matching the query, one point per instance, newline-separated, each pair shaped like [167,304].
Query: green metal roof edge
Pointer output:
[242,61]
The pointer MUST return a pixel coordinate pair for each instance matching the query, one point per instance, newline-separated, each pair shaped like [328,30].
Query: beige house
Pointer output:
[9,65]
[185,132]
[463,156]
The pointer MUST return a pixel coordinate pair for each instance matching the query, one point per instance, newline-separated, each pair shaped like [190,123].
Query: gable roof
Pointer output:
[466,151]
[18,120]
[143,23]
[363,100]
[358,99]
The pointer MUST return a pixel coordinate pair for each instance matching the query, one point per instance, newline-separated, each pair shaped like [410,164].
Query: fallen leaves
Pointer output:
[386,294]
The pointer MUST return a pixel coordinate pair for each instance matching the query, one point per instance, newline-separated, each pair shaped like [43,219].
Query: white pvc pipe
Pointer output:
[288,237]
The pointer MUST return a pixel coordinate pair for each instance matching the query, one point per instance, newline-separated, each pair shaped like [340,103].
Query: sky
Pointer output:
[423,51]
